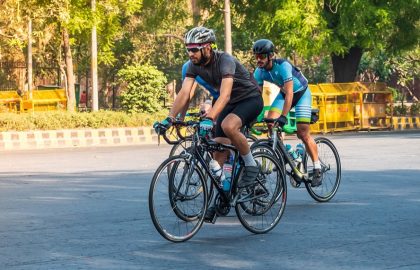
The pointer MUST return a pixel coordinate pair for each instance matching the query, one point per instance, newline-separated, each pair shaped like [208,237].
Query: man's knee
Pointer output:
[231,125]
[303,134]
[228,128]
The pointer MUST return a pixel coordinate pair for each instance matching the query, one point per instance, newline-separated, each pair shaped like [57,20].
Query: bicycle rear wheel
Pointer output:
[260,207]
[331,170]
[178,199]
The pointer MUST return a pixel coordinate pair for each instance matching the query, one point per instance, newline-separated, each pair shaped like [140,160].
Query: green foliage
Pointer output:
[374,66]
[143,88]
[66,120]
[400,110]
[415,109]
[317,69]
[396,95]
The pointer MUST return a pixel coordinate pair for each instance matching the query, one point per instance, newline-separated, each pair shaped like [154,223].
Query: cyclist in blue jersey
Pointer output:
[294,93]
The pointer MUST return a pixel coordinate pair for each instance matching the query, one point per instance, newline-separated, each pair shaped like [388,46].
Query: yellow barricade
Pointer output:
[46,100]
[10,101]
[374,108]
[336,105]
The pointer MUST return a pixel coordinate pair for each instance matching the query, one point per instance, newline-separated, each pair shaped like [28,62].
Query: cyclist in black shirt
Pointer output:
[239,103]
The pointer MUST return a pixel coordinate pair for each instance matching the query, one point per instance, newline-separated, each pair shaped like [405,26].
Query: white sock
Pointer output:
[249,159]
[317,165]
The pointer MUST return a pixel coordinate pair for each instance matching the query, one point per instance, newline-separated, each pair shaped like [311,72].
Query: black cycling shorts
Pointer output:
[247,109]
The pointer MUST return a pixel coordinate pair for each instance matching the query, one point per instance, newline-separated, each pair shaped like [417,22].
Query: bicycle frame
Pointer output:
[211,146]
[278,144]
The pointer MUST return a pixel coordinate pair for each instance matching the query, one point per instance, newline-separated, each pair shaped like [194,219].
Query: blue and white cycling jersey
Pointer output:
[215,94]
[282,71]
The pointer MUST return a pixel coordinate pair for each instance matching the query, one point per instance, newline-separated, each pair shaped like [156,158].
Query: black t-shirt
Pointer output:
[224,65]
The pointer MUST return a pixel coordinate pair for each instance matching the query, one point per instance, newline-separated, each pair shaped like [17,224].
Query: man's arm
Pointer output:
[288,98]
[225,91]
[185,109]
[183,98]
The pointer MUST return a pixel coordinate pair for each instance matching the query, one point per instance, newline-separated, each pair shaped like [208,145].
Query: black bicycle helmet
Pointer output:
[199,35]
[263,46]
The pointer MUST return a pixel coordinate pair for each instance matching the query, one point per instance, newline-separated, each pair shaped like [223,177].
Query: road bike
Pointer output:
[180,133]
[301,172]
[178,197]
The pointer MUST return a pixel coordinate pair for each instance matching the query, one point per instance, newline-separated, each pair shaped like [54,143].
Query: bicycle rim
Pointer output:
[331,167]
[178,200]
[261,207]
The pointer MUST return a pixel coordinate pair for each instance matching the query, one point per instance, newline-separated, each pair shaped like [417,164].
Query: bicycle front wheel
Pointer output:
[331,171]
[178,199]
[180,147]
[260,207]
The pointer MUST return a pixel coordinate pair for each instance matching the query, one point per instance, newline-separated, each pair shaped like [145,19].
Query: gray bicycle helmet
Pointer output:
[199,35]
[263,46]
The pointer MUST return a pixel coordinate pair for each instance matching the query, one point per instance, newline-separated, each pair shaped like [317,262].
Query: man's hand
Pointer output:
[282,120]
[206,125]
[161,127]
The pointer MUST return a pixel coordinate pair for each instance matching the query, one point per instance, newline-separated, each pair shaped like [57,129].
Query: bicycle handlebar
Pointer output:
[177,124]
[276,125]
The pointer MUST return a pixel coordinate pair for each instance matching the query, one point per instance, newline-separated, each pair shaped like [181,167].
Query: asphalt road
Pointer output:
[86,208]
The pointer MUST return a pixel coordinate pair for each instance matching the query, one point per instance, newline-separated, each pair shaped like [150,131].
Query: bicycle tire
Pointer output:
[178,148]
[267,145]
[260,213]
[331,167]
[174,223]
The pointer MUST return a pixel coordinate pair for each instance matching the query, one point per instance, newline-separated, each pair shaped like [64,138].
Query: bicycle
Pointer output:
[301,172]
[183,133]
[178,198]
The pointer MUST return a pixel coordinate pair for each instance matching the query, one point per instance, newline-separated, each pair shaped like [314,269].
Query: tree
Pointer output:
[143,88]
[342,29]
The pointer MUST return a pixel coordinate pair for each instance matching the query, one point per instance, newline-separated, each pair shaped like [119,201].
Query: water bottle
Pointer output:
[300,150]
[217,171]
[227,171]
[291,151]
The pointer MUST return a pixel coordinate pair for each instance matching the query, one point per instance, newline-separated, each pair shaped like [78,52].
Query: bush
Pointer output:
[143,88]
[400,110]
[415,109]
[67,120]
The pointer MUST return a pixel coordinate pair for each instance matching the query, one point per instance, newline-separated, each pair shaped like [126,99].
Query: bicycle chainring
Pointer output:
[222,208]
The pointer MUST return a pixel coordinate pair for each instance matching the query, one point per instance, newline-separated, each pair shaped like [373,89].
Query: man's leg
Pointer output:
[231,126]
[303,133]
[303,118]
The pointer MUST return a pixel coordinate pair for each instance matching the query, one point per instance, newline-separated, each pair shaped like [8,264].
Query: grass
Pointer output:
[54,120]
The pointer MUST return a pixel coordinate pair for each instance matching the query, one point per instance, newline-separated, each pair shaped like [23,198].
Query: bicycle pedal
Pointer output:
[294,183]
[212,220]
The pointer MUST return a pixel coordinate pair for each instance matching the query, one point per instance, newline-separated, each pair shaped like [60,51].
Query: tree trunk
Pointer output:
[228,26]
[69,71]
[345,67]
[196,12]
[30,80]
[94,62]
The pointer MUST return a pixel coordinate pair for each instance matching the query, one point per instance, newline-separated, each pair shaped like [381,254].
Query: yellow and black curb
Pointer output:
[402,123]
[42,139]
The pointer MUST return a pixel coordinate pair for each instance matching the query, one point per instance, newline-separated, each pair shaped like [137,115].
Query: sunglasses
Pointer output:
[260,55]
[194,50]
